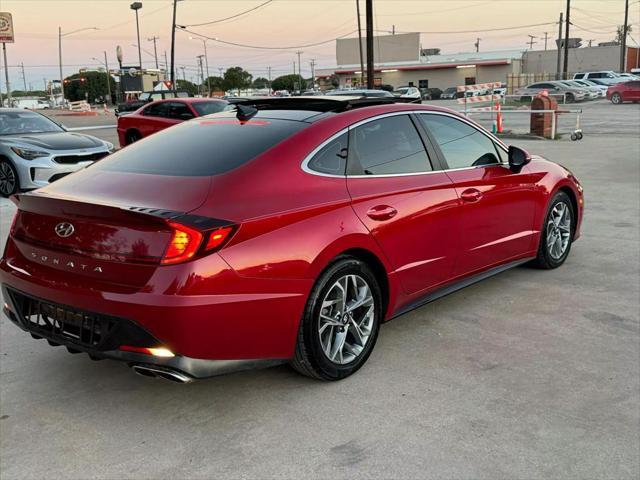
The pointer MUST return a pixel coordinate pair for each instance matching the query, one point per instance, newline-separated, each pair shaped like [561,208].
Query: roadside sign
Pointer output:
[132,72]
[6,28]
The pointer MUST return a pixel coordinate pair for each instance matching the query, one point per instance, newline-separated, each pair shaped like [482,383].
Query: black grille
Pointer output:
[70,326]
[73,159]
[58,176]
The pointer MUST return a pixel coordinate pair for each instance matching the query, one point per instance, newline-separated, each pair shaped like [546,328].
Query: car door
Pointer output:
[404,199]
[631,91]
[155,118]
[498,204]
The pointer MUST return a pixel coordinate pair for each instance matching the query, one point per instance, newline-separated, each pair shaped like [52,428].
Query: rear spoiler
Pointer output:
[48,205]
[316,103]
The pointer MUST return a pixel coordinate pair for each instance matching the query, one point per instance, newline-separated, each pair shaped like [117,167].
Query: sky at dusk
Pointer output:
[280,23]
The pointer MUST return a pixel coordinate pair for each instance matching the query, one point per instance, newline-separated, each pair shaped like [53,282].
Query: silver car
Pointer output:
[35,150]
[554,88]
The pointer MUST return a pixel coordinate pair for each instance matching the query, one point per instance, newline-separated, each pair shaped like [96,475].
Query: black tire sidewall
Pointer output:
[325,367]
[559,197]
[16,189]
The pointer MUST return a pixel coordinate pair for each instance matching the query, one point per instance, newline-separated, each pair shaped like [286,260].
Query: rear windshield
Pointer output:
[201,147]
[207,108]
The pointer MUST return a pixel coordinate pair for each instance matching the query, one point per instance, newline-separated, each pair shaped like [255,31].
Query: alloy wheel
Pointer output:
[558,230]
[346,319]
[7,179]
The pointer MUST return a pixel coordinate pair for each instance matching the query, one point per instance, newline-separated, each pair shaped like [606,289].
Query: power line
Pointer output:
[260,47]
[229,18]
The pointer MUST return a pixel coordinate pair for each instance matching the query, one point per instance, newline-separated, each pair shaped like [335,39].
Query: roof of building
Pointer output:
[499,57]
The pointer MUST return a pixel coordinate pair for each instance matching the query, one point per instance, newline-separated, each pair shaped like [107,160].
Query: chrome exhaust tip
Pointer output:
[157,372]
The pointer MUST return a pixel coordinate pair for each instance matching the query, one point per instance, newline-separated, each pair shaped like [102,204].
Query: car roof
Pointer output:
[188,100]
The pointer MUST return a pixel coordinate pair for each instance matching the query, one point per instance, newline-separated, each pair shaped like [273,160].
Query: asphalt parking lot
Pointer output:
[530,374]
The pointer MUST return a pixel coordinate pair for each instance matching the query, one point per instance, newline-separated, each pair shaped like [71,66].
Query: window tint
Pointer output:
[387,146]
[461,144]
[179,111]
[160,109]
[332,157]
[201,147]
[156,96]
[207,108]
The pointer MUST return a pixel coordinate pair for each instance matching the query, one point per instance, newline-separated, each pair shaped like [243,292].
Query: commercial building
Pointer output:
[400,60]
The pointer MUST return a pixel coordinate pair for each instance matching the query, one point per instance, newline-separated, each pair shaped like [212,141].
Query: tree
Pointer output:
[88,86]
[620,33]
[260,82]
[289,82]
[217,84]
[187,86]
[236,78]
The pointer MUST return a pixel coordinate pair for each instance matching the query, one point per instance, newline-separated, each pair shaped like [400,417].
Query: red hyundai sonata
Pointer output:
[161,114]
[287,230]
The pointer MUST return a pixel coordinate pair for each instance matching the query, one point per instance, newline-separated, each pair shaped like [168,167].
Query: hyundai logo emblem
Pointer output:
[64,229]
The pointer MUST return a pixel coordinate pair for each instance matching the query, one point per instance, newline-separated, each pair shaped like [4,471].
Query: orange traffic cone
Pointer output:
[498,118]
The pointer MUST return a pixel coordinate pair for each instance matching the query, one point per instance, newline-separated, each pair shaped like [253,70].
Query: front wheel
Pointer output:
[340,323]
[557,233]
[616,99]
[9,181]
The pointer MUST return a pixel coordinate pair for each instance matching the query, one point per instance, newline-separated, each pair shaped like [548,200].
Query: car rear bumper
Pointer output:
[76,330]
[198,318]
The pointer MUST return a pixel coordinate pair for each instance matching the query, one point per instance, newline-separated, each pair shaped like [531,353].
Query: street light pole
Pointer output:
[155,49]
[106,66]
[60,35]
[135,6]
[173,45]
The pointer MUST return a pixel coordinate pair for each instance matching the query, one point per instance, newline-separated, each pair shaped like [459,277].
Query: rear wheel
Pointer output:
[557,233]
[132,136]
[569,98]
[616,99]
[340,324]
[9,181]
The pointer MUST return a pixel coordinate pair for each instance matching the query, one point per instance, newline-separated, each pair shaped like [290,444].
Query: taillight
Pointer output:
[186,242]
[183,245]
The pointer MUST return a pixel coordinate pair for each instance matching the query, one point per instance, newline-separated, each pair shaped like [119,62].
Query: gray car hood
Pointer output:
[54,140]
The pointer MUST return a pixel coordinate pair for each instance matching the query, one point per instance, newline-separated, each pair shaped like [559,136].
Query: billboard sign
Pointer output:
[6,28]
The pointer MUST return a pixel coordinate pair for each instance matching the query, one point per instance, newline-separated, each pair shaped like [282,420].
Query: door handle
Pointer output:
[471,195]
[381,212]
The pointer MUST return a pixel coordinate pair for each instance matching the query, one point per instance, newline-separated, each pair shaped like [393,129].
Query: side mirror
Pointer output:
[518,158]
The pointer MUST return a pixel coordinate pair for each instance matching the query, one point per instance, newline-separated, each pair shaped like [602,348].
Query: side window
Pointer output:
[332,158]
[461,144]
[160,109]
[390,145]
[179,111]
[155,96]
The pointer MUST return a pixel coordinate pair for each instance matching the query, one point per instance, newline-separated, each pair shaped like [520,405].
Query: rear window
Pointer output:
[201,147]
[207,108]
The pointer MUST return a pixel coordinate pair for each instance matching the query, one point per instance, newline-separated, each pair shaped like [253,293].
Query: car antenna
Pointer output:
[245,112]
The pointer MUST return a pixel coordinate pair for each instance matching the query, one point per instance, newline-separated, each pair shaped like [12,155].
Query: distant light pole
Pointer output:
[106,66]
[135,6]
[60,35]
[206,61]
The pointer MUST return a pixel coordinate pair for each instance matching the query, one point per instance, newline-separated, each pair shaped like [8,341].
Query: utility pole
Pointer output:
[24,79]
[360,44]
[183,74]
[623,44]
[312,63]
[173,45]
[269,78]
[393,29]
[590,41]
[166,65]
[565,64]
[531,41]
[369,27]
[546,34]
[299,70]
[59,63]
[106,66]
[135,6]
[155,49]
[199,57]
[6,73]
[559,41]
[477,44]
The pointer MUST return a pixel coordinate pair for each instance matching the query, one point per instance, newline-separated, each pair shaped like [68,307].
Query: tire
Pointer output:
[552,254]
[569,98]
[132,136]
[616,99]
[317,336]
[9,180]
